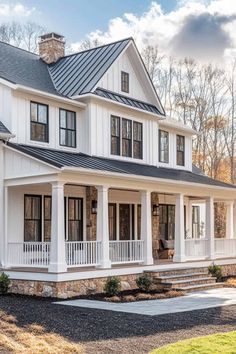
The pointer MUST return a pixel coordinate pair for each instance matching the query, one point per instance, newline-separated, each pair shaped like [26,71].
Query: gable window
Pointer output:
[32,218]
[126,137]
[137,141]
[115,135]
[180,150]
[67,128]
[38,122]
[124,82]
[163,146]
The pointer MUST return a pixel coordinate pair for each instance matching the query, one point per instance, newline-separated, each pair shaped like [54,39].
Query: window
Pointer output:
[138,140]
[124,82]
[67,128]
[47,218]
[39,122]
[75,219]
[163,146]
[180,150]
[167,221]
[126,137]
[195,221]
[32,218]
[115,135]
[112,221]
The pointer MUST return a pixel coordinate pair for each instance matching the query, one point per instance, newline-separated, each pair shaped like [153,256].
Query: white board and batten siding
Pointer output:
[6,106]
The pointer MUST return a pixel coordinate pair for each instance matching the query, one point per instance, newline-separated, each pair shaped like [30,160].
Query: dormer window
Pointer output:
[39,122]
[163,146]
[180,148]
[124,82]
[67,128]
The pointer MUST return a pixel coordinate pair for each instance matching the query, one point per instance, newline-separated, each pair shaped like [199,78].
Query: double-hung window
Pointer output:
[126,137]
[163,146]
[32,218]
[115,135]
[124,82]
[39,122]
[67,128]
[138,140]
[180,148]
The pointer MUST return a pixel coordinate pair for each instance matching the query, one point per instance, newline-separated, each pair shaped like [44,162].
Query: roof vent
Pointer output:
[51,47]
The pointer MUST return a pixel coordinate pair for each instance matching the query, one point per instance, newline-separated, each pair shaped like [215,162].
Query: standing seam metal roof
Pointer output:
[3,129]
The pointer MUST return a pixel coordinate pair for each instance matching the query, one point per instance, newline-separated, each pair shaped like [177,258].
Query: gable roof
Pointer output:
[126,100]
[60,158]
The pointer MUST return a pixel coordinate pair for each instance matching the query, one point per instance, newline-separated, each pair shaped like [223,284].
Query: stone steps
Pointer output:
[185,279]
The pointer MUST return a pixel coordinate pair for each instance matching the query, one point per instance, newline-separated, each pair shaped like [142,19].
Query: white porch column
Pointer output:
[102,226]
[58,249]
[210,227]
[3,212]
[179,255]
[234,219]
[146,226]
[230,219]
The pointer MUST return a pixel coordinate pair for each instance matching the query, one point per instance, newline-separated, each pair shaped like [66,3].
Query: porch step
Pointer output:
[169,278]
[199,287]
[189,282]
[180,271]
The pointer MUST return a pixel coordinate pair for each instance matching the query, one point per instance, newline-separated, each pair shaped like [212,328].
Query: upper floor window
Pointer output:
[39,122]
[163,146]
[67,128]
[180,142]
[124,82]
[126,137]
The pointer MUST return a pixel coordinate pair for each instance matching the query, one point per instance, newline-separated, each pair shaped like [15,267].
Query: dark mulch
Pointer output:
[104,332]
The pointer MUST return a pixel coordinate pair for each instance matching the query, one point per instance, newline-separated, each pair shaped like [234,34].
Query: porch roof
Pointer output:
[62,159]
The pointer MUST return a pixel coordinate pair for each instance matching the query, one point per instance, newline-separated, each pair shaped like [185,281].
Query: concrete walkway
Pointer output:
[193,301]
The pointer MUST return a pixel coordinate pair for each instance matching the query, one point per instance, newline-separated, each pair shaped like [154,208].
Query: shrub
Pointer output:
[215,271]
[4,283]
[144,282]
[112,286]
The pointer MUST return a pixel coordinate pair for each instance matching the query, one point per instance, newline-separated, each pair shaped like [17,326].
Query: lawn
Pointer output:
[222,343]
[32,339]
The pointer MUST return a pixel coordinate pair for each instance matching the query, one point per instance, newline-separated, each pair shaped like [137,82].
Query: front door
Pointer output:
[75,219]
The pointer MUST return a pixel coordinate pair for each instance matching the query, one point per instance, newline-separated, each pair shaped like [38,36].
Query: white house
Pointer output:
[95,179]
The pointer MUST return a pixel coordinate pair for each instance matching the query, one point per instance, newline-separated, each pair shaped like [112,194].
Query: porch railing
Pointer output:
[225,247]
[29,254]
[126,251]
[196,248]
[86,253]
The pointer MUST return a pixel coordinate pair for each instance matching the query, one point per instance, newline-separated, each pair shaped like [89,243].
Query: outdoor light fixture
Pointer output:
[155,210]
[94,206]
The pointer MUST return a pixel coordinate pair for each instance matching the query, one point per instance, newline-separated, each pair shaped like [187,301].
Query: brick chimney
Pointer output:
[51,47]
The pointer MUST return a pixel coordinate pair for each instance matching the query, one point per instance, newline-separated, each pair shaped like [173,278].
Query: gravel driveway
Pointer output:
[113,332]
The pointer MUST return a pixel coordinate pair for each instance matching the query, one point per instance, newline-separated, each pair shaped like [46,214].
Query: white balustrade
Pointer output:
[225,247]
[85,253]
[28,254]
[126,251]
[196,248]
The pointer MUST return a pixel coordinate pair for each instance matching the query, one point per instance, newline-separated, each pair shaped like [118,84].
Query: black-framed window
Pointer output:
[195,221]
[39,129]
[137,140]
[124,82]
[47,214]
[112,221]
[67,128]
[180,149]
[167,221]
[75,219]
[126,137]
[32,218]
[115,135]
[163,146]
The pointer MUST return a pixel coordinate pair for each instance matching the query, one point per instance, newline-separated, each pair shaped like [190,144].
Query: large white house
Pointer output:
[95,179]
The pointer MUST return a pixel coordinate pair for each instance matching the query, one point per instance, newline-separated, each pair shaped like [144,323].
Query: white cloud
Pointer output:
[14,10]
[201,29]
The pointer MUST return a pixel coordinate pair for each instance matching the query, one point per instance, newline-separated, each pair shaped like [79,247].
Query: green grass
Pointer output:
[222,343]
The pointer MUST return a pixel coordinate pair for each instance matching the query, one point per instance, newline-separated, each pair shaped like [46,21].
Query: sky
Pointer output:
[202,29]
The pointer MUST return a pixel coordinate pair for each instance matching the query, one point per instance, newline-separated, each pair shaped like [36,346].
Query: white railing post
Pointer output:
[229,219]
[179,255]
[146,226]
[102,226]
[210,229]
[58,252]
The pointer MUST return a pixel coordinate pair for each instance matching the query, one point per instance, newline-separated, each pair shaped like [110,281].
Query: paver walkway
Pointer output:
[193,301]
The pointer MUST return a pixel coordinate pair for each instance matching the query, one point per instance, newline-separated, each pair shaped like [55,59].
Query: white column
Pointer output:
[179,255]
[3,212]
[210,227]
[146,226]
[58,251]
[102,226]
[230,219]
[234,219]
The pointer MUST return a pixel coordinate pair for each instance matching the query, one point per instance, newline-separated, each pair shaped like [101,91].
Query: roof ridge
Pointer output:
[22,49]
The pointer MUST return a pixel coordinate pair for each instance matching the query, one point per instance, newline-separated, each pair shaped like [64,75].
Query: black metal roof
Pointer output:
[77,74]
[3,129]
[126,100]
[61,159]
